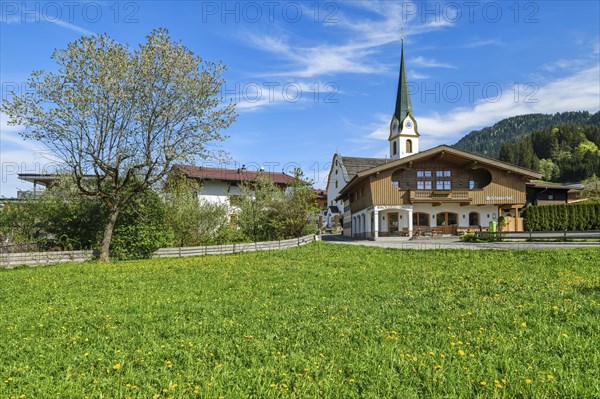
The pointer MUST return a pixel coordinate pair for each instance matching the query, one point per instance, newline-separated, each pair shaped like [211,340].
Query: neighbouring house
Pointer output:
[543,193]
[41,182]
[343,169]
[442,190]
[220,185]
[320,199]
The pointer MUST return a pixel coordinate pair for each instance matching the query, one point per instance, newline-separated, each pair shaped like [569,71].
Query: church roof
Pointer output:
[353,165]
[403,104]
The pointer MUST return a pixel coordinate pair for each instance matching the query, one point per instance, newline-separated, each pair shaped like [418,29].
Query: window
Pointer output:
[443,173]
[424,185]
[424,173]
[473,219]
[443,185]
[394,148]
[550,197]
[336,184]
[409,149]
[421,219]
[472,185]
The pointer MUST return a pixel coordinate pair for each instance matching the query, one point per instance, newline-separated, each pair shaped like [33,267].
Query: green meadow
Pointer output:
[321,321]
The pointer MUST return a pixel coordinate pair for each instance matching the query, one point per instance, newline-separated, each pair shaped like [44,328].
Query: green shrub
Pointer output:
[582,216]
[141,228]
[469,237]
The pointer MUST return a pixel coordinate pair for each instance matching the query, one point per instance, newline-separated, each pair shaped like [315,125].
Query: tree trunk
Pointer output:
[108,232]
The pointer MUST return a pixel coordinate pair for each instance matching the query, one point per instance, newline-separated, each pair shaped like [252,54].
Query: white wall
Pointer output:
[487,213]
[332,191]
[217,192]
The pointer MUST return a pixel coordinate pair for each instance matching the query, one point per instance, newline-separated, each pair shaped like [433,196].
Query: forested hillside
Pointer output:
[488,141]
[564,153]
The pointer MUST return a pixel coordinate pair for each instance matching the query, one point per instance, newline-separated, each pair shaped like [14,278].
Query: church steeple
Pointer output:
[404,136]
[403,105]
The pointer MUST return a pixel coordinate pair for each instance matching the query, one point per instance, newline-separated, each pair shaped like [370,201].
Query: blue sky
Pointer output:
[312,77]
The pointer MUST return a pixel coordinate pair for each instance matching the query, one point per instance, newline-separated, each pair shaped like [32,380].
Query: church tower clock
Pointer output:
[404,136]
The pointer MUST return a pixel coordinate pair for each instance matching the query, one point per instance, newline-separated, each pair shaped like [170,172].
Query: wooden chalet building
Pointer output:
[438,191]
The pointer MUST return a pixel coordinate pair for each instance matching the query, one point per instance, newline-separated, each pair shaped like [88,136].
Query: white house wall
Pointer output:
[486,213]
[217,192]
[336,175]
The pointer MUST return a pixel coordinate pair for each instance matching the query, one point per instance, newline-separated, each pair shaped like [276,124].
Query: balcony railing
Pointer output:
[440,196]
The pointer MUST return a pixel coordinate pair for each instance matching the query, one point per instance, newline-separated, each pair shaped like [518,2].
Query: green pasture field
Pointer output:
[321,321]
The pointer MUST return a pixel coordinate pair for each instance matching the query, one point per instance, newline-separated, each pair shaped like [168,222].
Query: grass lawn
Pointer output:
[321,321]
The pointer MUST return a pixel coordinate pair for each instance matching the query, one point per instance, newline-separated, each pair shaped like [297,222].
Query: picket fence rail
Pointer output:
[11,260]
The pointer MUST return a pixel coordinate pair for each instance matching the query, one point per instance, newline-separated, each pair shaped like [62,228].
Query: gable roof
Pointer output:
[231,175]
[451,153]
[353,165]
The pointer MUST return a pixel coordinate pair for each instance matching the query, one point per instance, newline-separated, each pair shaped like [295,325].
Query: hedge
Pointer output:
[583,216]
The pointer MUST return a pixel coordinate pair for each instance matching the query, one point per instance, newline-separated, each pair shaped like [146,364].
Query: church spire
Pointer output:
[403,105]
[404,136]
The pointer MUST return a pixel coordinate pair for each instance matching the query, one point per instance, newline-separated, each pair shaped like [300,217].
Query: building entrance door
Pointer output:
[446,222]
[393,223]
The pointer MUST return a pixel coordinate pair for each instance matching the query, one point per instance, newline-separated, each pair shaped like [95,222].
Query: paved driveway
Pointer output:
[452,243]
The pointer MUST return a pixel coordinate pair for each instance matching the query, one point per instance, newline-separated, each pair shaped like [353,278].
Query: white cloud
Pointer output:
[429,63]
[254,96]
[18,16]
[476,43]
[365,36]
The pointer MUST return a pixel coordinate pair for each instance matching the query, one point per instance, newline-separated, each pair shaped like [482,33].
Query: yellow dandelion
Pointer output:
[273,385]
[173,387]
[554,307]
[351,381]
[550,377]
[437,367]
[528,381]
[117,366]
[524,325]
[482,383]
[461,352]
[156,396]
[284,386]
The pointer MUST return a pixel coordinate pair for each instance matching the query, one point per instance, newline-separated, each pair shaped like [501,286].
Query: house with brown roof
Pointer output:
[438,191]
[218,185]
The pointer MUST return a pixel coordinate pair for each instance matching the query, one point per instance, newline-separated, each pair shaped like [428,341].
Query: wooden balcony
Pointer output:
[458,196]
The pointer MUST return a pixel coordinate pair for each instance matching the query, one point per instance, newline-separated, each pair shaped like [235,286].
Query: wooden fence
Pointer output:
[10,260]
